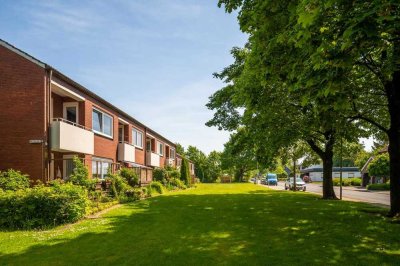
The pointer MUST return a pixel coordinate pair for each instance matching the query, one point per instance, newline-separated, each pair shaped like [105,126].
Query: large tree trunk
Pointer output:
[393,94]
[326,156]
[327,184]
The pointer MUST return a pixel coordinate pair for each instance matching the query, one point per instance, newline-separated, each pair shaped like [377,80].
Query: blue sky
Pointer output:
[153,59]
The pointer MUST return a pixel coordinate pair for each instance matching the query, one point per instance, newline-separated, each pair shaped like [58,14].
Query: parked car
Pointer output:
[271,179]
[300,184]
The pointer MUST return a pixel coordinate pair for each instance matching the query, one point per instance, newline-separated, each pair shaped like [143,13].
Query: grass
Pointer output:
[225,224]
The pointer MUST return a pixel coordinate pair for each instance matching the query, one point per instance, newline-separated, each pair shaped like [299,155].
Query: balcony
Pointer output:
[169,162]
[66,136]
[126,152]
[153,159]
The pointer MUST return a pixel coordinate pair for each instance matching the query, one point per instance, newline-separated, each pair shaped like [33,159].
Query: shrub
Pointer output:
[156,186]
[159,174]
[130,176]
[384,186]
[185,172]
[13,180]
[80,176]
[174,173]
[176,183]
[118,185]
[133,194]
[282,176]
[356,181]
[347,181]
[42,206]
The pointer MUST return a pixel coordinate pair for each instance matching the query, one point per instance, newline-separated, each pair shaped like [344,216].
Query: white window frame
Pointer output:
[102,126]
[101,161]
[160,150]
[134,138]
[71,104]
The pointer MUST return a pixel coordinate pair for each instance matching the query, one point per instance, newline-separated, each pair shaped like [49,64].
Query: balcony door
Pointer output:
[121,133]
[71,112]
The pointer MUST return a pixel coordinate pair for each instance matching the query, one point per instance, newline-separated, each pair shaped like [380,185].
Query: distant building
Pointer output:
[315,172]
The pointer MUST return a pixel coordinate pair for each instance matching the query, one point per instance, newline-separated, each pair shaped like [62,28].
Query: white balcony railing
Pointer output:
[126,152]
[153,159]
[66,136]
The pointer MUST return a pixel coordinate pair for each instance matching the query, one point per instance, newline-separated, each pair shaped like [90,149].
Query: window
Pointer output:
[69,168]
[100,167]
[137,138]
[172,154]
[148,145]
[70,111]
[102,123]
[160,148]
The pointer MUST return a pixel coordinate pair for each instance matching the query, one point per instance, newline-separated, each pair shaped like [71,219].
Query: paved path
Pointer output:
[381,198]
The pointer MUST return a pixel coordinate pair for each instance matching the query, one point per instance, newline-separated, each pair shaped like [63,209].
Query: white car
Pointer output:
[300,184]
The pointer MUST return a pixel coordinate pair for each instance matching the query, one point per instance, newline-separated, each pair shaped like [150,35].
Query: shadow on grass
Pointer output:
[259,227]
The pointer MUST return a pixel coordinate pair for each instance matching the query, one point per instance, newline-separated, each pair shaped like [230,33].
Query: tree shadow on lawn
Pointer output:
[262,227]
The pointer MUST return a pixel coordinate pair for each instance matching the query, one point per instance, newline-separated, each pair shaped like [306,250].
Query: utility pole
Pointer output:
[294,174]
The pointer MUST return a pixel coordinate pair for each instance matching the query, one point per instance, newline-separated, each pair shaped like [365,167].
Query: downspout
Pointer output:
[145,146]
[47,161]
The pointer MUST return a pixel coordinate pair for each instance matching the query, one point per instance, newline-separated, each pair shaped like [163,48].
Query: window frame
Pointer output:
[71,104]
[160,151]
[170,152]
[134,137]
[103,114]
[99,166]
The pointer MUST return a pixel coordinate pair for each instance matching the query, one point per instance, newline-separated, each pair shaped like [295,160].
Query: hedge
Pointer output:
[41,206]
[347,181]
[384,186]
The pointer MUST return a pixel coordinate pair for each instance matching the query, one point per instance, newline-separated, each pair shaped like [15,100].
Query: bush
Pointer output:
[176,183]
[13,180]
[156,186]
[159,174]
[130,176]
[356,181]
[185,172]
[80,176]
[347,181]
[133,194]
[118,185]
[282,176]
[42,206]
[384,186]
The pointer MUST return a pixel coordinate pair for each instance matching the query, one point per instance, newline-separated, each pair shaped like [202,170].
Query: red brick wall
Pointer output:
[22,113]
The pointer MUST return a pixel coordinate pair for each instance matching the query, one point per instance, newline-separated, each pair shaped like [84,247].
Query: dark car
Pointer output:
[271,179]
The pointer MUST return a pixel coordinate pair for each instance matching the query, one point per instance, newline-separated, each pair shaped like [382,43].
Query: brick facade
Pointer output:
[28,104]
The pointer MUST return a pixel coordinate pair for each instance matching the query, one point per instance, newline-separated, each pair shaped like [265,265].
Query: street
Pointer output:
[381,198]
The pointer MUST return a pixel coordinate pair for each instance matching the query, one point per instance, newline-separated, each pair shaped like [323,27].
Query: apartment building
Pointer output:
[47,118]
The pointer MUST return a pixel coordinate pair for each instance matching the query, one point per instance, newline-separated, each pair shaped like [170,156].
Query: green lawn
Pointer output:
[233,224]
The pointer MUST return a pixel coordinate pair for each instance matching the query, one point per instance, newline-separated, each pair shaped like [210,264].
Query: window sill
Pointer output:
[102,134]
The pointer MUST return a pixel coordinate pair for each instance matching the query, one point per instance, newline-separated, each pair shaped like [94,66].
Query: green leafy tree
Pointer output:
[185,172]
[213,166]
[239,155]
[180,149]
[199,159]
[380,166]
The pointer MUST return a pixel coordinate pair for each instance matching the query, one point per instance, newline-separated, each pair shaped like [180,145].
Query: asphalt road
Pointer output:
[381,198]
